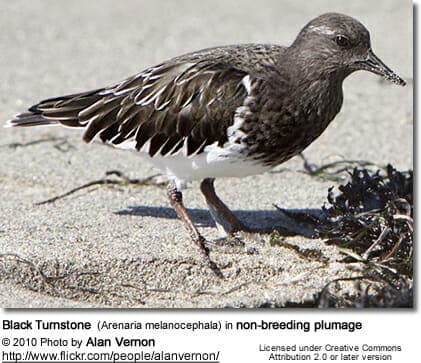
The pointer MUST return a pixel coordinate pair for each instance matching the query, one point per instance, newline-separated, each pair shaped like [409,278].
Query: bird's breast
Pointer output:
[277,126]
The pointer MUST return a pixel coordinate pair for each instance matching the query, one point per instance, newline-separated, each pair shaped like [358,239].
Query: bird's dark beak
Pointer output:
[373,64]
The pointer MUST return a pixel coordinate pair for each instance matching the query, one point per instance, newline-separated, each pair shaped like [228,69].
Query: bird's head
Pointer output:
[339,43]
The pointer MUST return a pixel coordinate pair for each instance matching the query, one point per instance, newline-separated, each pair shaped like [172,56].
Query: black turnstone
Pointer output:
[228,111]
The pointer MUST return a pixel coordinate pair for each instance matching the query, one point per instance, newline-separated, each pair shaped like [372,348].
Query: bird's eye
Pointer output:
[342,41]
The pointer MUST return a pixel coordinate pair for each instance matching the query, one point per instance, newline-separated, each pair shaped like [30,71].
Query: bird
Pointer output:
[227,111]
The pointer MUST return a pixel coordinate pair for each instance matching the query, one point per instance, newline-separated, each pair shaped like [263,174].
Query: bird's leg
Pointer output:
[228,224]
[225,220]
[176,201]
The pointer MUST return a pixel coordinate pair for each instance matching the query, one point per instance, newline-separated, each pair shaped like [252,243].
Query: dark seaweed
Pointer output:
[371,218]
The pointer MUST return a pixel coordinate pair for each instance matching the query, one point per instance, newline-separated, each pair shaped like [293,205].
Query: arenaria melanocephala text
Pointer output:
[228,111]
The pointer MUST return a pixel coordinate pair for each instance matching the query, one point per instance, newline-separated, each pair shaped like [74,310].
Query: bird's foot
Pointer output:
[204,249]
[214,267]
[248,234]
[233,244]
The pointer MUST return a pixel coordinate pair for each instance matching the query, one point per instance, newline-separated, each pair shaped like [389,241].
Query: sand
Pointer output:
[122,246]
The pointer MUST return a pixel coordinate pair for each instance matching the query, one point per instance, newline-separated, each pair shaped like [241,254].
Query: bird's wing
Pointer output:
[188,101]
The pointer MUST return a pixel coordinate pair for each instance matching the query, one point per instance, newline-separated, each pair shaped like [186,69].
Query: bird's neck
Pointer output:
[315,88]
[309,66]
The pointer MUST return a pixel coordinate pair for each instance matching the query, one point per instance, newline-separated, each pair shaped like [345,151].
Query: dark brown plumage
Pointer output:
[225,111]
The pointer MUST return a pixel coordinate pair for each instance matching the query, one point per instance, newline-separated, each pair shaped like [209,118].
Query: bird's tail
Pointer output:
[66,110]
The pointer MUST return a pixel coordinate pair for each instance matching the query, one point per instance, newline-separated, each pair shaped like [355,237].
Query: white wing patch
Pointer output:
[234,132]
[246,81]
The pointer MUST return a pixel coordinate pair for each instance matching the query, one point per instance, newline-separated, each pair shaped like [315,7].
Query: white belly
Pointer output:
[213,162]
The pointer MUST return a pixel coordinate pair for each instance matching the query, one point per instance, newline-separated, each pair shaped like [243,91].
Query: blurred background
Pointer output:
[91,43]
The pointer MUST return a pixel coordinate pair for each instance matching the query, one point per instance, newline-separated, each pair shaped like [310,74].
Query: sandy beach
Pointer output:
[121,245]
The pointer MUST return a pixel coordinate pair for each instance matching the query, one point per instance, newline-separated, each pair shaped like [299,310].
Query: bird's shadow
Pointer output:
[291,222]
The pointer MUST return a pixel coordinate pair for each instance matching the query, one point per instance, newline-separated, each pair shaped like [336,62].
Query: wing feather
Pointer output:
[184,101]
